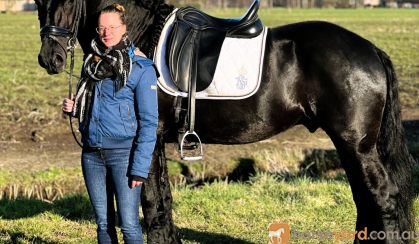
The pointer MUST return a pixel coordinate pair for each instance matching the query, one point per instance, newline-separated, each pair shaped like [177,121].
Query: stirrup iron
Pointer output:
[191,146]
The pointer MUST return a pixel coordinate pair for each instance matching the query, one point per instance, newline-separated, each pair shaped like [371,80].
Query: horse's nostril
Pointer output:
[59,61]
[42,62]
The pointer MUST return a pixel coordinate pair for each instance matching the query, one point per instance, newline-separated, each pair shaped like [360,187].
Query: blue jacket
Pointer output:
[127,118]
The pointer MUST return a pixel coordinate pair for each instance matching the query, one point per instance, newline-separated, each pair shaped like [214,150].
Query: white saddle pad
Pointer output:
[238,72]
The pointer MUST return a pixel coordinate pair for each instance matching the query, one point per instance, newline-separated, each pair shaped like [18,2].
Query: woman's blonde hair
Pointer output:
[116,8]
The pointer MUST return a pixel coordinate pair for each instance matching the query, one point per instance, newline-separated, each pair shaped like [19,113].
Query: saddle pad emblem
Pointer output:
[238,72]
[242,79]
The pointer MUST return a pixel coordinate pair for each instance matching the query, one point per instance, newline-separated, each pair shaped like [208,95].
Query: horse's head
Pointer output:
[59,20]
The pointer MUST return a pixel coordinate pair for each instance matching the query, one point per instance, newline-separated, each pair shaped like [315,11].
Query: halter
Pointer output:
[52,32]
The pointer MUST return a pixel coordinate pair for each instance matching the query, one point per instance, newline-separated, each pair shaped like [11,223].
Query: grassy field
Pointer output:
[50,205]
[220,212]
[216,213]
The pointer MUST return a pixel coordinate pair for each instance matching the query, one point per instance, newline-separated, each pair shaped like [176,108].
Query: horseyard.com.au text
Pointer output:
[280,233]
[350,235]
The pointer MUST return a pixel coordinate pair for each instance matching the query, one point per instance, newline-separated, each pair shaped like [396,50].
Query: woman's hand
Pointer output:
[135,183]
[67,105]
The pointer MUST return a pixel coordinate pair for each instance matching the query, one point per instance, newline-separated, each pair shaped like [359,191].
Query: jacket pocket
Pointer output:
[128,118]
[110,122]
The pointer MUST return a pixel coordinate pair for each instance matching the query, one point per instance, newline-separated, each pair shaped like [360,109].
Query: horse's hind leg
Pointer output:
[374,192]
[377,164]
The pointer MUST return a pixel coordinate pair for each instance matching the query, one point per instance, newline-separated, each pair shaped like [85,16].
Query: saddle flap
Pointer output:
[192,55]
[180,50]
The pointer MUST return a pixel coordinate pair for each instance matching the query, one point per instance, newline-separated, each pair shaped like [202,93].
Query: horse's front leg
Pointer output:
[156,200]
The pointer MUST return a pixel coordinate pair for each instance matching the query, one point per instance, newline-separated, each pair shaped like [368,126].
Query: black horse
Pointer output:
[315,73]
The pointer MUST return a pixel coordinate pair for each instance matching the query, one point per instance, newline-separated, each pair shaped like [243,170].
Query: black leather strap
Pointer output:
[192,83]
[56,31]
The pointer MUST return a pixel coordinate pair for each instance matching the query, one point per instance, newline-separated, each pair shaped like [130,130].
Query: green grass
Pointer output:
[69,220]
[48,176]
[243,211]
[46,185]
[29,96]
[220,212]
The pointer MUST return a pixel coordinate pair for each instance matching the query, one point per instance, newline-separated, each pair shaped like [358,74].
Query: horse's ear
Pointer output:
[40,2]
[150,4]
[42,11]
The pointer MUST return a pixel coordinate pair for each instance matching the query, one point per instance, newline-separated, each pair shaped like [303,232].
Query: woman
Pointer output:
[116,103]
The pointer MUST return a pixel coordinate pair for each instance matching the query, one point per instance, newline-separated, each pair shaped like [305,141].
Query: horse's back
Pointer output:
[315,39]
[339,71]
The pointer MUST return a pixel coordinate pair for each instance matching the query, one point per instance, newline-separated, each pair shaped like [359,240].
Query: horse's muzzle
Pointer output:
[54,65]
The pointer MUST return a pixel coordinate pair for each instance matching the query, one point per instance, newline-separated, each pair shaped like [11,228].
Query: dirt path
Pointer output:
[60,150]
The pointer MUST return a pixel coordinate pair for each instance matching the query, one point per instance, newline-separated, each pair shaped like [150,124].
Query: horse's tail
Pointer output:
[392,147]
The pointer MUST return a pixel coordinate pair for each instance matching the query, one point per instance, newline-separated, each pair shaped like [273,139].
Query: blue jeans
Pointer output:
[105,174]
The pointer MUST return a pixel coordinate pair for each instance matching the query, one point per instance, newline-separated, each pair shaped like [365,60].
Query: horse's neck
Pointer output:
[139,23]
[146,25]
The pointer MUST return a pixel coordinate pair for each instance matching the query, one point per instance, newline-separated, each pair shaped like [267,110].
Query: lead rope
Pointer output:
[70,87]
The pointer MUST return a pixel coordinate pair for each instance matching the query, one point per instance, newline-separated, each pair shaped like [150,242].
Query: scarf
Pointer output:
[113,62]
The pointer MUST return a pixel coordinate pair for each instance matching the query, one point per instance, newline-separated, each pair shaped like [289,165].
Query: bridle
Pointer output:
[52,32]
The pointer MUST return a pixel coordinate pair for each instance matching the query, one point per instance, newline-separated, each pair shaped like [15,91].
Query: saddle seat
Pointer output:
[196,40]
[246,26]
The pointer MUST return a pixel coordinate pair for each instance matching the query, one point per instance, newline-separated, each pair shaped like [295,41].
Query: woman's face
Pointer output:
[111,29]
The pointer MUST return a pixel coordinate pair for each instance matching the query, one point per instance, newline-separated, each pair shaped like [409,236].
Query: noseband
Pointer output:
[56,31]
[52,32]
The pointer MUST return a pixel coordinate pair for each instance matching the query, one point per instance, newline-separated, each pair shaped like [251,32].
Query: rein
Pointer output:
[52,32]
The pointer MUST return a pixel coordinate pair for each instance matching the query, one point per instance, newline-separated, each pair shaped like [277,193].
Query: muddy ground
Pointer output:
[58,149]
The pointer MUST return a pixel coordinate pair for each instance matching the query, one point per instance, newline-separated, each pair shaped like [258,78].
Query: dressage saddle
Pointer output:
[196,40]
[192,54]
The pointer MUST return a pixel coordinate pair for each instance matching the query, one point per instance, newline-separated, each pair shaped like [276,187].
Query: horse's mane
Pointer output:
[161,10]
